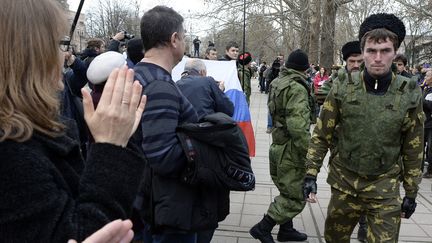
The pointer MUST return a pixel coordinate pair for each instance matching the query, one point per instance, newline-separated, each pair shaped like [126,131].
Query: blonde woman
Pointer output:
[48,194]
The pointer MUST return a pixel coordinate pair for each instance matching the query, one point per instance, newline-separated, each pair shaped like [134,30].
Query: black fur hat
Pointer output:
[352,47]
[245,58]
[383,20]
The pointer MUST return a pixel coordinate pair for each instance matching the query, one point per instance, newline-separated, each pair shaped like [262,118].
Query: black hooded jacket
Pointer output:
[217,152]
[218,161]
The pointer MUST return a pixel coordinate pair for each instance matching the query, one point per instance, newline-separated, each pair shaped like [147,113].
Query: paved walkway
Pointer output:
[247,208]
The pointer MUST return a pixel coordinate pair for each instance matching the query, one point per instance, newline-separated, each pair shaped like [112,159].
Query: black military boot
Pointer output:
[288,233]
[362,231]
[428,173]
[262,230]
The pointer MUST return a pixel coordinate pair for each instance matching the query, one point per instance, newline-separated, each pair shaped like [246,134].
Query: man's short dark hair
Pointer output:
[95,43]
[157,26]
[378,36]
[210,48]
[231,44]
[401,58]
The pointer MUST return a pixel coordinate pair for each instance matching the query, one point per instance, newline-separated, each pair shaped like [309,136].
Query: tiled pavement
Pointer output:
[247,208]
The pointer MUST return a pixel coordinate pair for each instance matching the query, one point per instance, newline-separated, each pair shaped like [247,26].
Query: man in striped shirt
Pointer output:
[169,203]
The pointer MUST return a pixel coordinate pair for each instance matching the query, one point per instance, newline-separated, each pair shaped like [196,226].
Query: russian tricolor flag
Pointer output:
[227,71]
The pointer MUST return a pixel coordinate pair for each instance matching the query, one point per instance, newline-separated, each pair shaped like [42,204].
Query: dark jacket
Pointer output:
[262,70]
[74,80]
[113,45]
[196,43]
[47,195]
[272,74]
[218,161]
[405,74]
[206,98]
[218,155]
[205,95]
[165,202]
[427,106]
[88,55]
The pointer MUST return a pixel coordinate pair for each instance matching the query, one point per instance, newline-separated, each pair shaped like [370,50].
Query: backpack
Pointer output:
[279,87]
[217,154]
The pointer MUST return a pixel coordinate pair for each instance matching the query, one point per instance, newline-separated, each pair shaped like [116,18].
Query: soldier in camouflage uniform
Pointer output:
[351,54]
[290,108]
[380,137]
[244,61]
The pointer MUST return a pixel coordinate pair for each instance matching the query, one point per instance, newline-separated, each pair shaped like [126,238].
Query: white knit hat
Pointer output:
[101,67]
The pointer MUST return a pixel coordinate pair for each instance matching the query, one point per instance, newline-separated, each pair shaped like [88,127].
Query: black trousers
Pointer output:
[262,84]
[205,236]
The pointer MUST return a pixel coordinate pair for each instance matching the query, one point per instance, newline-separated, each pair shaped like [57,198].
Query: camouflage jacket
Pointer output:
[374,143]
[246,86]
[289,106]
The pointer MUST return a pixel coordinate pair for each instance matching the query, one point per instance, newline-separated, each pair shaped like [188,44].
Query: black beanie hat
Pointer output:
[383,20]
[352,47]
[297,60]
[245,58]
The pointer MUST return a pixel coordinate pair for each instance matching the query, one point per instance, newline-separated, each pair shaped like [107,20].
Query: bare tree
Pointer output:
[319,27]
[328,31]
[111,16]
[421,8]
[417,16]
[315,30]
[306,21]
[288,17]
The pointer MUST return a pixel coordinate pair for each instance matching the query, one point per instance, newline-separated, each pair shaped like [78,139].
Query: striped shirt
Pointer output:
[166,108]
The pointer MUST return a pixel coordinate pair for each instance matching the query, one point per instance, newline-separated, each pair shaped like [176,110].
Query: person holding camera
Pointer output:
[119,38]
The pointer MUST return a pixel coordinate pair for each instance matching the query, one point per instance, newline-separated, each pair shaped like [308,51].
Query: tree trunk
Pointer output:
[328,32]
[304,22]
[314,33]
[285,38]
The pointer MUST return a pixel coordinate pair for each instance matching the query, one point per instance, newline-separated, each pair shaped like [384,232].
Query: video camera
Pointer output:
[128,36]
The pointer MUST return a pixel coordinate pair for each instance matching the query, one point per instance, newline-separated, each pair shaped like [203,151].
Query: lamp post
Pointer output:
[81,35]
[191,45]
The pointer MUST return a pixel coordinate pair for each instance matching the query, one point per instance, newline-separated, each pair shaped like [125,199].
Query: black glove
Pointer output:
[408,206]
[309,186]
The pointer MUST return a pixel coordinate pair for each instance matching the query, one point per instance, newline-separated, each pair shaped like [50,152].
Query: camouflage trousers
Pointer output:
[288,178]
[247,93]
[343,213]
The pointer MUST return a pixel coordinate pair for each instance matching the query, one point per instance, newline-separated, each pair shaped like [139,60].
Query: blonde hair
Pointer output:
[30,68]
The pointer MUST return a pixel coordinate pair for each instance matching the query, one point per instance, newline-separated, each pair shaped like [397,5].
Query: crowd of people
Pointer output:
[107,147]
